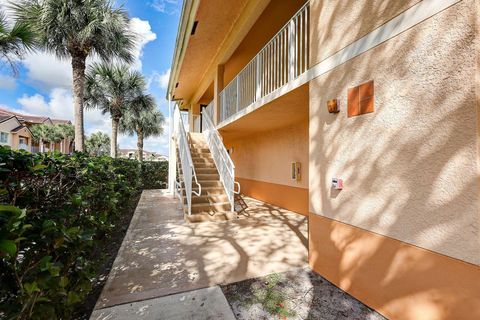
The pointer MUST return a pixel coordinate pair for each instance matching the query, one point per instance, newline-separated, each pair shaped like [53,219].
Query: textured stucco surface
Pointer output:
[336,24]
[410,168]
[267,156]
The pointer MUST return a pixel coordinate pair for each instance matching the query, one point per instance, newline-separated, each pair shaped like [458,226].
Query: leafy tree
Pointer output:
[42,133]
[98,144]
[147,123]
[14,41]
[114,89]
[67,131]
[77,29]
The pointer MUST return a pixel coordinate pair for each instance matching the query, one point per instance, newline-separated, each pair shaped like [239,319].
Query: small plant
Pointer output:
[271,296]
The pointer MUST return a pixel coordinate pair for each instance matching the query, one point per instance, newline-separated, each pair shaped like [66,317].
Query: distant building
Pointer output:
[15,132]
[147,155]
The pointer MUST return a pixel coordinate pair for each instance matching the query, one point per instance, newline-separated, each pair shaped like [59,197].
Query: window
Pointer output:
[23,140]
[3,137]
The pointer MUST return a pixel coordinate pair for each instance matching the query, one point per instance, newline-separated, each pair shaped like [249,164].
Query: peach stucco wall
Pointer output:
[267,156]
[410,168]
[335,24]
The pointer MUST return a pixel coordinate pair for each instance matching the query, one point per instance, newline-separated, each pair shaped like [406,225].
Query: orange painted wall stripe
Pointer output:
[397,279]
[290,198]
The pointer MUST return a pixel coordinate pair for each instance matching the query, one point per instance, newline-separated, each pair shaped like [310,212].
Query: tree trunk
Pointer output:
[113,141]
[78,69]
[41,146]
[140,145]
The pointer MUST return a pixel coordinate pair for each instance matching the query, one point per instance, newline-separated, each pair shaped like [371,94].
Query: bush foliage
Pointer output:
[154,174]
[56,212]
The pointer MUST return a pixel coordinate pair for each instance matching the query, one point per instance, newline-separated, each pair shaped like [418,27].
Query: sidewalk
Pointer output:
[162,255]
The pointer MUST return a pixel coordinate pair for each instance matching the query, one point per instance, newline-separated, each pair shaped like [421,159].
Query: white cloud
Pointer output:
[47,72]
[160,79]
[7,82]
[144,32]
[59,104]
[166,6]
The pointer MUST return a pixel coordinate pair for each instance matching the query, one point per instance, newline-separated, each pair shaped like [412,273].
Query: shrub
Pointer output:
[154,174]
[55,212]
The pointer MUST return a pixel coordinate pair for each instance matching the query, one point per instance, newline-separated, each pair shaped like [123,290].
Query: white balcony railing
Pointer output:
[283,59]
[210,111]
[24,146]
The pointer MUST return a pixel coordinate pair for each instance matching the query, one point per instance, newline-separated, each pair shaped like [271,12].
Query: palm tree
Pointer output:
[67,131]
[14,41]
[98,144]
[77,29]
[147,123]
[114,89]
[41,134]
[54,136]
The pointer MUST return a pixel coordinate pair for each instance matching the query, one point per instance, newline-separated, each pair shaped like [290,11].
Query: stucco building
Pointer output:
[15,132]
[360,115]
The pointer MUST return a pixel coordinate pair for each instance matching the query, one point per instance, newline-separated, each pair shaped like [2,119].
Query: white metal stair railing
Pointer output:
[188,169]
[224,163]
[283,59]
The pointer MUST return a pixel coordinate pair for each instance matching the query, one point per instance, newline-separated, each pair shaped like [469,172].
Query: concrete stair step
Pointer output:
[208,177]
[202,171]
[210,208]
[201,156]
[207,191]
[199,150]
[207,199]
[215,216]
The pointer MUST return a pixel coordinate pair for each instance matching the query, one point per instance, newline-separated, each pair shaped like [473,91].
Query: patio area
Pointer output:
[163,255]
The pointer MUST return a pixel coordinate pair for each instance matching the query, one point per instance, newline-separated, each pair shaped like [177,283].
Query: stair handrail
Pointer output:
[188,169]
[224,163]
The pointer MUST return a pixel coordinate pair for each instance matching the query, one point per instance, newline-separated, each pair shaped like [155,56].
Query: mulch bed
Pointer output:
[297,294]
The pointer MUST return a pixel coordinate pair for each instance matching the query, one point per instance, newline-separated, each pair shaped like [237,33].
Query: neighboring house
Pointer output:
[147,155]
[25,140]
[14,134]
[360,115]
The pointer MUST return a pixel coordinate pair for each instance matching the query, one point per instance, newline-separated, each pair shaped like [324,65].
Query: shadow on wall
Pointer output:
[410,167]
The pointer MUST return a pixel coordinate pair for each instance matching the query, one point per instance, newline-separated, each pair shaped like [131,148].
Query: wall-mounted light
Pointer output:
[332,106]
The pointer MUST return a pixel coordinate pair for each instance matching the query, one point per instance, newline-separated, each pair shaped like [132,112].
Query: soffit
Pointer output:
[215,20]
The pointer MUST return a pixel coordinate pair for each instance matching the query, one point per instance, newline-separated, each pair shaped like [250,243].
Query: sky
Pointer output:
[43,84]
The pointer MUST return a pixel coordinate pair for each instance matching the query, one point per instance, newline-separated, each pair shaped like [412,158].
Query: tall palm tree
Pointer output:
[114,89]
[146,124]
[77,29]
[41,133]
[14,41]
[98,144]
[67,131]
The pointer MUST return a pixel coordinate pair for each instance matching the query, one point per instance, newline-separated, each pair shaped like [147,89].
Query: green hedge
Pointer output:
[154,174]
[55,212]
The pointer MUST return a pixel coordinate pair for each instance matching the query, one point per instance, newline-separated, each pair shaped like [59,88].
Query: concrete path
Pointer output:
[202,304]
[162,255]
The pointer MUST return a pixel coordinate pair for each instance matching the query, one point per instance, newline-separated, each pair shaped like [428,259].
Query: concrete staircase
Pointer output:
[212,204]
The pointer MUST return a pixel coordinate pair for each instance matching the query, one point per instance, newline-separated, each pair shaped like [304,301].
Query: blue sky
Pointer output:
[43,85]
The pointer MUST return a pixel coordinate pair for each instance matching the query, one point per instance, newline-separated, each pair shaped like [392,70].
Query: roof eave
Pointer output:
[189,12]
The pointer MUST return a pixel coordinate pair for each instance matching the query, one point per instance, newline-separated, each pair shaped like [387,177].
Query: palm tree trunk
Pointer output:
[78,69]
[140,145]
[41,146]
[113,141]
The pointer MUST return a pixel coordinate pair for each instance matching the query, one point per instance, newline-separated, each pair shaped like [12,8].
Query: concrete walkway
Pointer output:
[162,255]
